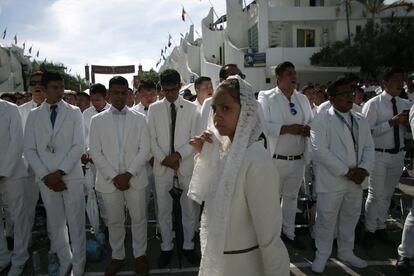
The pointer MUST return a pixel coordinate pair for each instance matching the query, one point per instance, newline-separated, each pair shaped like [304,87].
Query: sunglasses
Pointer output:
[34,83]
[293,111]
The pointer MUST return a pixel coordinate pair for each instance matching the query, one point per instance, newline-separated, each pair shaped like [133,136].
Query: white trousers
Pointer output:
[291,176]
[114,204]
[406,248]
[337,212]
[67,208]
[13,194]
[382,182]
[163,185]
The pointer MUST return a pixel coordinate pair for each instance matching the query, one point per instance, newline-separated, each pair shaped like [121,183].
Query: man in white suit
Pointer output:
[147,94]
[343,156]
[119,146]
[204,90]
[287,115]
[53,145]
[387,115]
[172,122]
[13,183]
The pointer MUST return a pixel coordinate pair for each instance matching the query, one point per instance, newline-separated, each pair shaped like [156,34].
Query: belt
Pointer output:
[391,151]
[290,157]
[242,251]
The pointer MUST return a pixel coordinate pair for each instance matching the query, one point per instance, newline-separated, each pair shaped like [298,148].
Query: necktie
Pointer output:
[37,105]
[53,114]
[99,111]
[173,119]
[396,128]
[146,108]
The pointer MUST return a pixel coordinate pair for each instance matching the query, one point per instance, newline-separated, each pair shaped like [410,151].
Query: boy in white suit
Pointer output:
[119,146]
[343,156]
[13,182]
[287,114]
[53,145]
[172,122]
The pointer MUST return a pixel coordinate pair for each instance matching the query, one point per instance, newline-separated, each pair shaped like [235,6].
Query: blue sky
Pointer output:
[104,32]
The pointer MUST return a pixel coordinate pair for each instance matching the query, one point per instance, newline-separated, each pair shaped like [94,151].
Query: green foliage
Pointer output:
[150,75]
[72,82]
[374,48]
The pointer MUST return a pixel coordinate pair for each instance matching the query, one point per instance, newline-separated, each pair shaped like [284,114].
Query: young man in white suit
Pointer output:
[13,183]
[287,115]
[147,95]
[343,156]
[172,122]
[387,115]
[119,146]
[53,145]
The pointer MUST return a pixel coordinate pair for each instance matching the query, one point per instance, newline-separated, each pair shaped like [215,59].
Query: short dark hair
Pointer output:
[282,67]
[98,88]
[118,80]
[223,74]
[390,72]
[170,77]
[49,76]
[83,94]
[9,95]
[333,87]
[200,80]
[307,87]
[36,73]
[231,86]
[146,85]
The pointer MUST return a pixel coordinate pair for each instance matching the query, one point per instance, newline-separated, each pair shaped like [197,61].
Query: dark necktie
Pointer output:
[37,105]
[99,111]
[146,108]
[53,114]
[173,119]
[396,128]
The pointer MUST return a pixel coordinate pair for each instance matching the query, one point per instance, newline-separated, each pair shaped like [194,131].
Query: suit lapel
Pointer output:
[180,117]
[164,117]
[128,125]
[61,115]
[338,125]
[45,118]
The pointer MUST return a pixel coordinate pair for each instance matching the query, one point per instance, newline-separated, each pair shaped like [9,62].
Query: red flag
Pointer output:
[183,15]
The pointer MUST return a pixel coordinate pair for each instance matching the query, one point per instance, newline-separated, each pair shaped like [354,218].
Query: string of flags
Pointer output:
[15,41]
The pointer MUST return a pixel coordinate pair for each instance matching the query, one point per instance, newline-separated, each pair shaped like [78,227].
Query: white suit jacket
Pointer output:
[329,151]
[66,137]
[105,152]
[159,127]
[11,141]
[274,119]
[87,117]
[140,108]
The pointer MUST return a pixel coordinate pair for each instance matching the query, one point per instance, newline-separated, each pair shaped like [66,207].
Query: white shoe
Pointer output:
[318,264]
[353,260]
[16,270]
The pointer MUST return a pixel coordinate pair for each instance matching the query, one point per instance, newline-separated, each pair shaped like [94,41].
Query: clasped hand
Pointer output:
[357,175]
[121,181]
[172,161]
[54,181]
[198,141]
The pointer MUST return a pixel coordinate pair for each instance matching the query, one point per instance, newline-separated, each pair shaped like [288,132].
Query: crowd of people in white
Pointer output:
[242,159]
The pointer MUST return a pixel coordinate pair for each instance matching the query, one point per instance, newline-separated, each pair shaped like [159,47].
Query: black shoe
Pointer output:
[192,257]
[165,258]
[383,237]
[296,243]
[403,265]
[368,240]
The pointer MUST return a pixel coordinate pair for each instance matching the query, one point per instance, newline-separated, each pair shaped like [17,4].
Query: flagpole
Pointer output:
[214,10]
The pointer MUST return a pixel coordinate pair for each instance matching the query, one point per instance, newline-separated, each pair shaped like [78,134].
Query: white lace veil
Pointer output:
[215,184]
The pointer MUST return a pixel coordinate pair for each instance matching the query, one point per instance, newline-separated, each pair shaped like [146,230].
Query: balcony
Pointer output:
[287,14]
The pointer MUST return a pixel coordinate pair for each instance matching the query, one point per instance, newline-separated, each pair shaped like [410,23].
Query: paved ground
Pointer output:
[381,258]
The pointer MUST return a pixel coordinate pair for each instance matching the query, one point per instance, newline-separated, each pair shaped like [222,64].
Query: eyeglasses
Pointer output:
[293,111]
[347,94]
[34,83]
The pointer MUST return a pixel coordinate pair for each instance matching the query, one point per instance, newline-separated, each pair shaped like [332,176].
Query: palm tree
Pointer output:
[375,7]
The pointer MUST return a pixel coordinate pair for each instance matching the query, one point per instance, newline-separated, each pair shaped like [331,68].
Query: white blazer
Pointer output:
[25,109]
[274,119]
[330,154]
[66,138]
[11,141]
[159,127]
[105,153]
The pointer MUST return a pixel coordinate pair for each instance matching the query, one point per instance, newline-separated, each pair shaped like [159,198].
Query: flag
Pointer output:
[182,35]
[70,70]
[24,45]
[30,49]
[15,39]
[4,33]
[163,57]
[169,40]
[37,54]
[183,14]
[165,48]
[162,51]
[158,63]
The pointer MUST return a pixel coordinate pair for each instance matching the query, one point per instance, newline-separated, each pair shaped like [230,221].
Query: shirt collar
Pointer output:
[59,104]
[386,95]
[116,111]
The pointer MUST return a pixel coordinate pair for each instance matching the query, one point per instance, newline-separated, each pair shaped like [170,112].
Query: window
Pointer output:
[253,38]
[305,38]
[297,3]
[316,3]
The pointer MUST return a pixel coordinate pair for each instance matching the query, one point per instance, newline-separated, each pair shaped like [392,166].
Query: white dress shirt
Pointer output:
[119,120]
[378,111]
[289,144]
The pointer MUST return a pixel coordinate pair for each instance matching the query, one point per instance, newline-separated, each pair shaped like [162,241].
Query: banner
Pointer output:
[113,70]
[255,60]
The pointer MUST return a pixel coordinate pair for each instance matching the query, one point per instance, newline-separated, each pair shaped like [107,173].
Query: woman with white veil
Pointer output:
[235,177]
